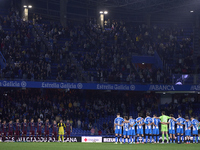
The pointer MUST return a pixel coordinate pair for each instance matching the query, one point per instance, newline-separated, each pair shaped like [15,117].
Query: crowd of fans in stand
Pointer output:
[23,52]
[23,58]
[104,54]
[165,42]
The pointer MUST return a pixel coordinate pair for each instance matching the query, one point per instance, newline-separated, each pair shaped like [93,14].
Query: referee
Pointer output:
[61,127]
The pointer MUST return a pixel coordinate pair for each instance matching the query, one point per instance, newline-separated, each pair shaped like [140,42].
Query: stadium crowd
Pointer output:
[105,54]
[24,56]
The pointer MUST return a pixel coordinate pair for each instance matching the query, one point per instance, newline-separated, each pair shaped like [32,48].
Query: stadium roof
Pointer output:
[129,8]
[140,6]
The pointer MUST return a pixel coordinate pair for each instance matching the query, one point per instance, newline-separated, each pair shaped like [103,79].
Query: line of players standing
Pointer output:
[152,128]
[16,129]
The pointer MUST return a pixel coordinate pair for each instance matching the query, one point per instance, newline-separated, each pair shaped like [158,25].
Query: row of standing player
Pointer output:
[152,128]
[16,129]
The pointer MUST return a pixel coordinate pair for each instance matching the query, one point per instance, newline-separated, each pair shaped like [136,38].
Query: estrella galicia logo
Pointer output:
[79,85]
[132,87]
[23,84]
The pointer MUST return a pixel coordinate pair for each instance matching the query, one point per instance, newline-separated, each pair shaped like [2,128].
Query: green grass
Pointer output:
[95,146]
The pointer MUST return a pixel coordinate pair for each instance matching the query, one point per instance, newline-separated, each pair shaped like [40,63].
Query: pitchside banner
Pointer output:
[96,86]
[84,139]
[112,139]
[42,139]
[91,139]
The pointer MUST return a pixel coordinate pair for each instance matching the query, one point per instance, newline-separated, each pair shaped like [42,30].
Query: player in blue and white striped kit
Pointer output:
[172,124]
[132,129]
[156,128]
[148,131]
[179,131]
[195,124]
[118,128]
[140,123]
[126,129]
[187,129]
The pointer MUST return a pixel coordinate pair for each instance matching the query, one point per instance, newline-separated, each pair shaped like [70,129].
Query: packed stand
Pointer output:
[23,58]
[173,44]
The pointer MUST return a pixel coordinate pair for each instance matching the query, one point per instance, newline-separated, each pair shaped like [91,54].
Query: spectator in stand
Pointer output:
[100,132]
[92,131]
[96,131]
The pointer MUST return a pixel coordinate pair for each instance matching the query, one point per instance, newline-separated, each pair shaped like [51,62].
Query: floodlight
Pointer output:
[105,12]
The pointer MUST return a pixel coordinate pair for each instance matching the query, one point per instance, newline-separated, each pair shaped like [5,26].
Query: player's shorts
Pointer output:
[131,132]
[171,131]
[148,131]
[16,133]
[195,132]
[188,133]
[61,132]
[54,133]
[155,131]
[24,133]
[179,130]
[118,131]
[126,133]
[32,132]
[4,133]
[68,133]
[164,128]
[39,132]
[10,132]
[139,131]
[46,132]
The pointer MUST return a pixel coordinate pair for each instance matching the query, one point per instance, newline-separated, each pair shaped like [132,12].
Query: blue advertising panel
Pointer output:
[98,86]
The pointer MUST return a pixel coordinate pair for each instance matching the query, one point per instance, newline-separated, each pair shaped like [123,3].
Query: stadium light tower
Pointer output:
[102,16]
[25,15]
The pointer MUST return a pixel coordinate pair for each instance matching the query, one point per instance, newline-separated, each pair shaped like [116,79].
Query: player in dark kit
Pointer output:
[10,130]
[39,129]
[68,129]
[32,129]
[17,130]
[46,131]
[24,130]
[4,130]
[54,130]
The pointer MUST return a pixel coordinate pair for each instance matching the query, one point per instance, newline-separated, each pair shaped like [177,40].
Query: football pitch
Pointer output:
[95,146]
